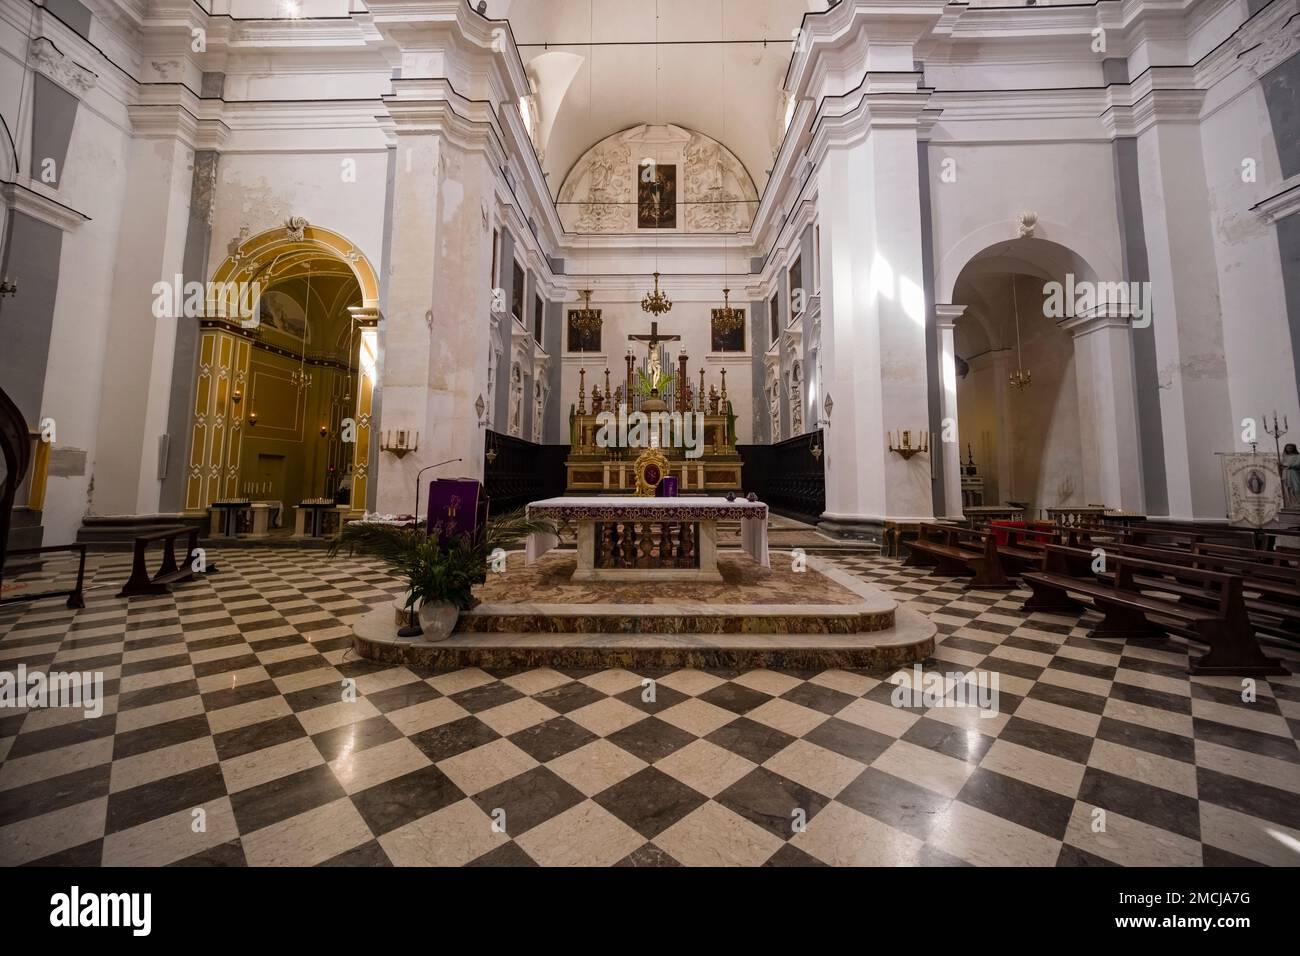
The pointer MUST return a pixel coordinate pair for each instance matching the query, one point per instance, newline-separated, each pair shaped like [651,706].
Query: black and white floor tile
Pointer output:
[239,728]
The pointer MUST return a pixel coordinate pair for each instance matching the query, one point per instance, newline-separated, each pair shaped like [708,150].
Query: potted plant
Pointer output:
[440,571]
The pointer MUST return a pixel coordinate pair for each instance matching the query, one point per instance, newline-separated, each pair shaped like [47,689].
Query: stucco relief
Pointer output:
[600,193]
[50,62]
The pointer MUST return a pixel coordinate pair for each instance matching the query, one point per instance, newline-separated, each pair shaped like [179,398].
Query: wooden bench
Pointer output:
[1223,621]
[141,582]
[1272,600]
[957,551]
[1280,559]
[1215,533]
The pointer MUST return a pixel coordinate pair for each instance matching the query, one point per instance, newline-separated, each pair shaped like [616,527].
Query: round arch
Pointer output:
[277,251]
[1051,249]
[224,393]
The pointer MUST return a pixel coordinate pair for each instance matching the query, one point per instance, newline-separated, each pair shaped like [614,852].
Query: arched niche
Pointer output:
[711,190]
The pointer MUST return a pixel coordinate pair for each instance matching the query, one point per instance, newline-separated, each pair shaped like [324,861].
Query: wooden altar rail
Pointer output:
[140,582]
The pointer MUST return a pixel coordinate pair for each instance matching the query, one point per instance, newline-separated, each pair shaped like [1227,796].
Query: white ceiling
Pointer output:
[728,90]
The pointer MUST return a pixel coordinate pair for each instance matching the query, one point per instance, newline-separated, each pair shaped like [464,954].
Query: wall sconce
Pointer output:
[324,430]
[400,442]
[816,449]
[480,407]
[905,448]
[252,418]
[491,453]
[236,396]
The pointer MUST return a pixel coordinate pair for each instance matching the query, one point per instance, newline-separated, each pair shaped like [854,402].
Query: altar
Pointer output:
[649,539]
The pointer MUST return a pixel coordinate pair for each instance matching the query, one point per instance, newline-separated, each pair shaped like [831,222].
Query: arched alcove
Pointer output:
[1027,442]
[283,397]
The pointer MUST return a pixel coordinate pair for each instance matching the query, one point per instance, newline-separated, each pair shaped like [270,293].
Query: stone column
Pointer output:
[438,322]
[947,443]
[1108,422]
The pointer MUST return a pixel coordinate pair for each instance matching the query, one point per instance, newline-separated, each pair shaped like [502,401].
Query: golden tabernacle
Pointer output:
[695,430]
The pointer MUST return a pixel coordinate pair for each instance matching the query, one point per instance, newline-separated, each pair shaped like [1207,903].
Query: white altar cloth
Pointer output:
[751,514]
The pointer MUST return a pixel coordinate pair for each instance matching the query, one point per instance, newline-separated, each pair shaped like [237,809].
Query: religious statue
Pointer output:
[1291,475]
[618,397]
[597,400]
[713,399]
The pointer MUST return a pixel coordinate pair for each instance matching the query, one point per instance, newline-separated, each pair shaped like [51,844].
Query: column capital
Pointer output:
[946,314]
[1110,315]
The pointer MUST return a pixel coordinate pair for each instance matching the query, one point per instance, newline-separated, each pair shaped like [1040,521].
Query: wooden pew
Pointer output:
[1222,622]
[957,551]
[1277,558]
[141,582]
[1273,601]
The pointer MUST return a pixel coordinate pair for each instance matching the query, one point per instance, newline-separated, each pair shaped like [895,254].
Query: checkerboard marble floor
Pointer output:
[228,737]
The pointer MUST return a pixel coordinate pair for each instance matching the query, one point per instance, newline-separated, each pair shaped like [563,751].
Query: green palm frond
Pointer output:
[387,542]
[435,572]
[509,530]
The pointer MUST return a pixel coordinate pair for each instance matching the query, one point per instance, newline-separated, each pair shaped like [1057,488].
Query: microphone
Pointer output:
[417,483]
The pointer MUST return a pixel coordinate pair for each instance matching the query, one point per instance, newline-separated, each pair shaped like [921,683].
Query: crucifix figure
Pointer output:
[652,353]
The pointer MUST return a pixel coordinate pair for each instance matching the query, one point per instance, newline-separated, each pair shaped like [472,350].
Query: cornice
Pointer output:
[1284,202]
[39,202]
[173,112]
[1160,95]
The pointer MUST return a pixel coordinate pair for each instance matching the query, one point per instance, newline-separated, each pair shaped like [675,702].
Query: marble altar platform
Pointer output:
[533,615]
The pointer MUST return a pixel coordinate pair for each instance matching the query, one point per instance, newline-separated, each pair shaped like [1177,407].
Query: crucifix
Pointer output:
[651,341]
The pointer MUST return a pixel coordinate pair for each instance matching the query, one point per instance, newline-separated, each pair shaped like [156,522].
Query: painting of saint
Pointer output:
[726,339]
[583,341]
[656,206]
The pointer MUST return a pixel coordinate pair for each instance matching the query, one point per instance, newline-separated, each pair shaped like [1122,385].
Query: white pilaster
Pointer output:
[948,442]
[1103,357]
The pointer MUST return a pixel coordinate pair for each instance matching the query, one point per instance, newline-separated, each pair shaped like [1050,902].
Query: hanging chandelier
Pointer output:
[727,318]
[586,320]
[301,378]
[1022,377]
[658,303]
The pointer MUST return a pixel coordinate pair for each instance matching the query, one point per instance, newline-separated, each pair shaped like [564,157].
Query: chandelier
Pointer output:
[586,320]
[658,303]
[727,318]
[1022,377]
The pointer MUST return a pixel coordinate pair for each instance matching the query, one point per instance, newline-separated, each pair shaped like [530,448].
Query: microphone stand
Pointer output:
[418,475]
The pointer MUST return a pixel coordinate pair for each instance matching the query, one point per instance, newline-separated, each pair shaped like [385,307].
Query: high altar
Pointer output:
[596,470]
